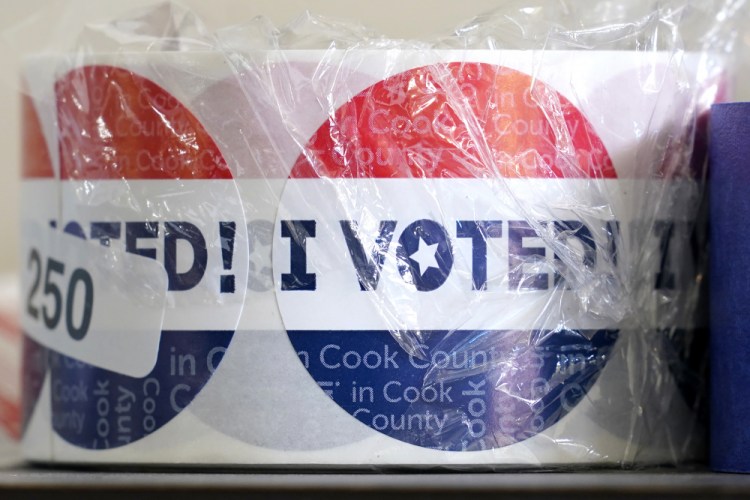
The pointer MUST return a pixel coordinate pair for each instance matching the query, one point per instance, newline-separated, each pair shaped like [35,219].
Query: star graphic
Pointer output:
[425,256]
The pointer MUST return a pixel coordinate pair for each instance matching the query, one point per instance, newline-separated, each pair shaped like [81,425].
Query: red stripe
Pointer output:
[459,120]
[10,410]
[35,160]
[115,124]
[10,417]
[10,327]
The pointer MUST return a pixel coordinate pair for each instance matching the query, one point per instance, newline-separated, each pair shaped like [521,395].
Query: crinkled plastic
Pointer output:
[319,246]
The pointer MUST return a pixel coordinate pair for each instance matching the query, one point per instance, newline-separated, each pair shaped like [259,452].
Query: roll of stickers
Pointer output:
[730,147]
[357,258]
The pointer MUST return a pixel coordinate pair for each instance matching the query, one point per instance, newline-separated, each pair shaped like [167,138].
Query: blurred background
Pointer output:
[27,26]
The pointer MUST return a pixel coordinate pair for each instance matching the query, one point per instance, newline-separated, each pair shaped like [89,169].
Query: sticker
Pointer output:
[431,249]
[145,203]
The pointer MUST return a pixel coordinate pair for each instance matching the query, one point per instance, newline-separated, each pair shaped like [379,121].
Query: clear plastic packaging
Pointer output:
[318,246]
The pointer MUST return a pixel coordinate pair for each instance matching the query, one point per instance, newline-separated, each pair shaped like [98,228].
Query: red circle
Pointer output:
[456,120]
[115,124]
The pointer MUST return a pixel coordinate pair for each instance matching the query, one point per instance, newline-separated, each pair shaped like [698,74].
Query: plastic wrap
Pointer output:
[319,246]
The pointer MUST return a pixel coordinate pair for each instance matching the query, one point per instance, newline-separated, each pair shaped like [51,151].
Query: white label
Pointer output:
[94,303]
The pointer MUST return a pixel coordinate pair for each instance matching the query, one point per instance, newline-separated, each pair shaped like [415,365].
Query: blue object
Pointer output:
[730,287]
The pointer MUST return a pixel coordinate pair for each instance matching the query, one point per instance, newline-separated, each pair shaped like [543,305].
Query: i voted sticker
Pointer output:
[130,251]
[429,252]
